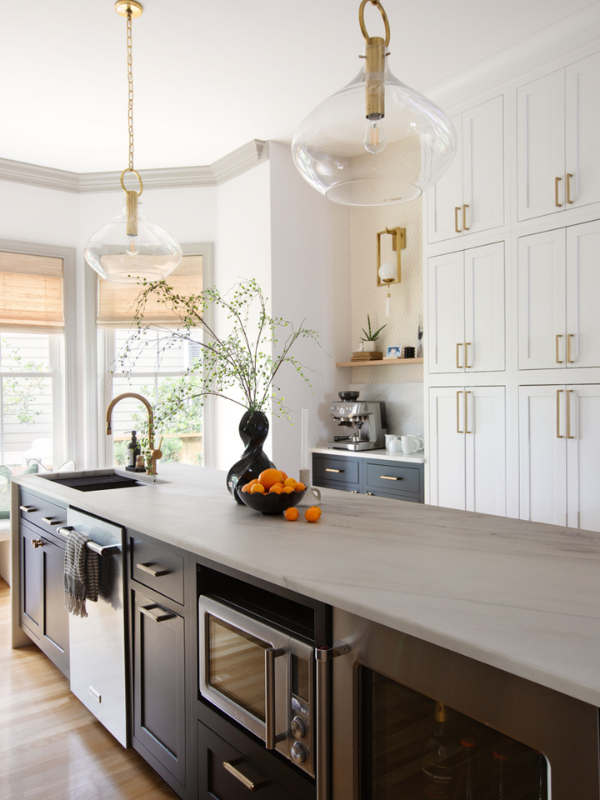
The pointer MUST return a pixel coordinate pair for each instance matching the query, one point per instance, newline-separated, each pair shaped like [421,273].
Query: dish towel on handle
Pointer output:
[81,574]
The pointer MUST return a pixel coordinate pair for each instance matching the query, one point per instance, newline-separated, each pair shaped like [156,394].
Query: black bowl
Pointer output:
[273,503]
[348,395]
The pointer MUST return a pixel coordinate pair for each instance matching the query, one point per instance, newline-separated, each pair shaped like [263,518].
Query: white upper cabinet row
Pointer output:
[559,292]
[469,198]
[558,158]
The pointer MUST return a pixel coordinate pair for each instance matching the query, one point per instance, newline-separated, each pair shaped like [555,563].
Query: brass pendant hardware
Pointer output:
[132,7]
[375,53]
[363,27]
[398,243]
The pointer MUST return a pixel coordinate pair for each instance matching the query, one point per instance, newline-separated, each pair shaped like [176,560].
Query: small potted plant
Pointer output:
[370,337]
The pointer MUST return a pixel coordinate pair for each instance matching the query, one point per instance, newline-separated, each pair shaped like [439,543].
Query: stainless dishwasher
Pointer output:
[98,641]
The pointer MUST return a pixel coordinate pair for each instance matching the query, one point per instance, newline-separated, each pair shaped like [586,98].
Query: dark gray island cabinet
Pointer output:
[372,476]
[381,693]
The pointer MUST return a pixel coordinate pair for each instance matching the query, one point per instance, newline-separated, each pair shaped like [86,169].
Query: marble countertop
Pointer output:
[380,455]
[521,596]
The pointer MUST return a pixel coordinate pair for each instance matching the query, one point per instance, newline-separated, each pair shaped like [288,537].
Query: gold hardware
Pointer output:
[458,430]
[371,494]
[558,336]
[398,243]
[155,453]
[251,785]
[50,521]
[37,542]
[127,8]
[558,394]
[556,203]
[569,201]
[375,53]
[569,337]
[328,469]
[466,410]
[156,616]
[390,478]
[569,392]
[156,571]
[458,344]
[456,213]
[28,509]
[467,344]
[465,218]
[363,27]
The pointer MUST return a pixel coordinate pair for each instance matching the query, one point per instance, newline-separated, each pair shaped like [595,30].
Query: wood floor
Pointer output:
[51,747]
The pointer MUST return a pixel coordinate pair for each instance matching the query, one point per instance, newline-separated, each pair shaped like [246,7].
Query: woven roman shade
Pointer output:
[117,301]
[31,293]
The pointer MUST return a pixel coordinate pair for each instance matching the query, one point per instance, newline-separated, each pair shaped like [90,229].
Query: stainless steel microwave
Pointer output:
[261,677]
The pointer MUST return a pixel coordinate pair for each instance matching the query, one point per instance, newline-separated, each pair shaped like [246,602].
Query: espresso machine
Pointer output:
[358,425]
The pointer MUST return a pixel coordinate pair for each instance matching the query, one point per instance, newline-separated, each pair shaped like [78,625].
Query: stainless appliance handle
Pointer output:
[271,738]
[101,550]
[323,655]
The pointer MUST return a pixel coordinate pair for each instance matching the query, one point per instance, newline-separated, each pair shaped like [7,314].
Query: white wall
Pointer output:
[310,247]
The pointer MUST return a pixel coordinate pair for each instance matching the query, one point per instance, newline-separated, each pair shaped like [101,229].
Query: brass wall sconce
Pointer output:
[390,271]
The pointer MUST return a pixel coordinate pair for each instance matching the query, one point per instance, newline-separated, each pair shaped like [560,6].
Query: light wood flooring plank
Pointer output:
[51,747]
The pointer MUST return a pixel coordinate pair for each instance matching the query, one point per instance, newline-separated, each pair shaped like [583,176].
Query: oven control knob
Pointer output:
[298,753]
[298,728]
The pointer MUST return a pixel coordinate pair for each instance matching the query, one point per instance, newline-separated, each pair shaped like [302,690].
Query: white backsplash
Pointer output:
[403,403]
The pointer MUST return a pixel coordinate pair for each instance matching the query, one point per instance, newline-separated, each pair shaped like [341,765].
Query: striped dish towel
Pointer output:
[81,574]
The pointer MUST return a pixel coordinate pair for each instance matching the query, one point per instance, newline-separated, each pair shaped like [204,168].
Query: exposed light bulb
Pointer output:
[132,248]
[374,140]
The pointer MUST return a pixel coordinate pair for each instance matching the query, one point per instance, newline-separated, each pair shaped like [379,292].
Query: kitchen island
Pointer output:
[518,596]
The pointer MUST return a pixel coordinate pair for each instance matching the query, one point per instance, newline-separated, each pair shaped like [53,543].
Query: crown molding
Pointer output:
[223,170]
[574,32]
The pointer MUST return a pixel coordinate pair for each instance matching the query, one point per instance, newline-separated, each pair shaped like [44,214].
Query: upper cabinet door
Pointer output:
[484,308]
[582,130]
[444,199]
[483,166]
[446,298]
[541,146]
[583,295]
[542,278]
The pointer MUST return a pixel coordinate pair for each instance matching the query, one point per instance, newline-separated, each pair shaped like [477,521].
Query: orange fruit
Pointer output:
[270,476]
[283,476]
[291,514]
[278,485]
[258,488]
[275,489]
[312,514]
[247,486]
[300,487]
[289,482]
[288,489]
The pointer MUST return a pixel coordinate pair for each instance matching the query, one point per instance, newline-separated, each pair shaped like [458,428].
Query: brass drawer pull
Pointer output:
[371,494]
[458,345]
[50,521]
[329,469]
[390,478]
[558,394]
[467,344]
[37,542]
[465,218]
[569,201]
[558,336]
[157,616]
[556,182]
[251,785]
[28,509]
[569,337]
[456,213]
[155,571]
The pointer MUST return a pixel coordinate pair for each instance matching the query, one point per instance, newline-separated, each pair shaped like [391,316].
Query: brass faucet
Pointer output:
[156,454]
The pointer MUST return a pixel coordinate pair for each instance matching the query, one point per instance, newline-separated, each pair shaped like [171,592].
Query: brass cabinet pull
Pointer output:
[329,469]
[156,616]
[558,394]
[458,345]
[456,213]
[569,176]
[569,337]
[556,182]
[467,344]
[390,478]
[155,571]
[465,218]
[50,521]
[466,410]
[354,491]
[558,336]
[458,430]
[251,785]
[37,542]
[28,509]
[569,393]
[370,494]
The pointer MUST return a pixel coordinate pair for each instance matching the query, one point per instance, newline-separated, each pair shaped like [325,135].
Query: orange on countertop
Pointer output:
[312,514]
[291,514]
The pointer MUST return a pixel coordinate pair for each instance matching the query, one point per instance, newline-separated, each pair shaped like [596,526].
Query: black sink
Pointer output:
[96,483]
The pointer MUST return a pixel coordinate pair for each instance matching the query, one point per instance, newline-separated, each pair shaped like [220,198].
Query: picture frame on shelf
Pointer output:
[394,351]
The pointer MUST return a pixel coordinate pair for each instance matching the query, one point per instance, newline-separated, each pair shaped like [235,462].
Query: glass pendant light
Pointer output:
[376,141]
[131,248]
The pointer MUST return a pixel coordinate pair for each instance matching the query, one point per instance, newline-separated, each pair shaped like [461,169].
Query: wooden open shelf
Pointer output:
[383,362]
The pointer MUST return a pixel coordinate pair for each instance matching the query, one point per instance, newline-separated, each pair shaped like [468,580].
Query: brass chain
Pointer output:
[130,82]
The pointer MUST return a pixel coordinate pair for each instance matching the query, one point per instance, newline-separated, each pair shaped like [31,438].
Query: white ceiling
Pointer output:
[211,76]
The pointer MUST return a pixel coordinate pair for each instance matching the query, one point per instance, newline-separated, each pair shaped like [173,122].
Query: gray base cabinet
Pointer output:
[375,477]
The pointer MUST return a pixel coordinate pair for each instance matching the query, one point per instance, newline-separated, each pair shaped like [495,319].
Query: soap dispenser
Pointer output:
[134,451]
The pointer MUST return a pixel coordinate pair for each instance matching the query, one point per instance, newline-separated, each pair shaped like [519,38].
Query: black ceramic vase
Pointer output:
[254,428]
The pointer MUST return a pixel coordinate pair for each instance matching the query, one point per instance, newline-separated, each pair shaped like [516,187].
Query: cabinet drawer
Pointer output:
[336,470]
[393,479]
[158,569]
[226,774]
[42,512]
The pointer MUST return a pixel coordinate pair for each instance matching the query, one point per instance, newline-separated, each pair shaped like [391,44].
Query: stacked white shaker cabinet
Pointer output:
[512,308]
